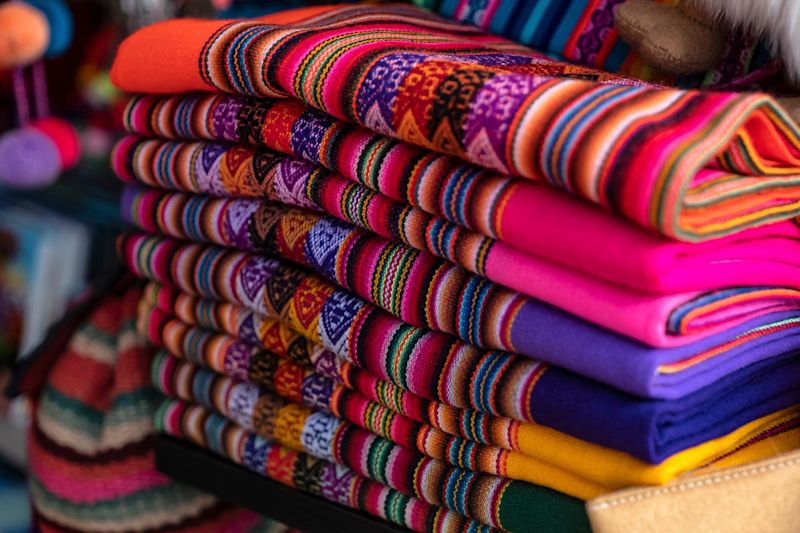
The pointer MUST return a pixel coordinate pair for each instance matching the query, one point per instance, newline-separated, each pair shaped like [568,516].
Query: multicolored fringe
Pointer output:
[300,471]
[309,374]
[496,501]
[449,90]
[91,460]
[583,32]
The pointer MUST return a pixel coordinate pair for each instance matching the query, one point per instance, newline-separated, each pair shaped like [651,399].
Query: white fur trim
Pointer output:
[777,20]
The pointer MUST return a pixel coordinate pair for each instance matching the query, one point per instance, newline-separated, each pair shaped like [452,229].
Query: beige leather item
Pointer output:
[668,38]
[758,497]
[792,106]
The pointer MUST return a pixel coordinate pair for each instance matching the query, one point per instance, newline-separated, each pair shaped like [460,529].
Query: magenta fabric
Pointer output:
[247,175]
[535,220]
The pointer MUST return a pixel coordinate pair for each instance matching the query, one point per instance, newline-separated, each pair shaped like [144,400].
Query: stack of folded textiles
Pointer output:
[427,273]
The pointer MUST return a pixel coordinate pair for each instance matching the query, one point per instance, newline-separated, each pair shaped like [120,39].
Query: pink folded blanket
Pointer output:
[693,165]
[247,175]
[530,218]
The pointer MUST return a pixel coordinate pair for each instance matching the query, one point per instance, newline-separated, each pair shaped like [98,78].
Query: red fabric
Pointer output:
[63,134]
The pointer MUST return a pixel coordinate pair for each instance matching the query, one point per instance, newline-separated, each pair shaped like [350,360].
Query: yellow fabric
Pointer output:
[603,470]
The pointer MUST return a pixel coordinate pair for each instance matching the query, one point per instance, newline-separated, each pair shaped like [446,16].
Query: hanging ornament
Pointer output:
[42,147]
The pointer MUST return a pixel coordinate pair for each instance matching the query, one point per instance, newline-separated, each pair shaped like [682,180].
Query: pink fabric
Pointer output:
[62,484]
[564,229]
[639,315]
[587,238]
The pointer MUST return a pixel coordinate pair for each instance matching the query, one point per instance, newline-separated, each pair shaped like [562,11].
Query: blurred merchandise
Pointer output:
[15,515]
[135,14]
[254,8]
[44,262]
[41,147]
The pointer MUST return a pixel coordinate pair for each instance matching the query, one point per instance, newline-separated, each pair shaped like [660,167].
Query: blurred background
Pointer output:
[59,215]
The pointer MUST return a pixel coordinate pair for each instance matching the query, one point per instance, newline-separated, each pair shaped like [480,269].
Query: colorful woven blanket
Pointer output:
[692,165]
[427,292]
[90,452]
[537,221]
[299,470]
[300,384]
[583,31]
[223,170]
[492,500]
[439,368]
[303,373]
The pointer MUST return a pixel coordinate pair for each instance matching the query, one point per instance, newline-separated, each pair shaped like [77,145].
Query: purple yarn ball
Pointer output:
[28,159]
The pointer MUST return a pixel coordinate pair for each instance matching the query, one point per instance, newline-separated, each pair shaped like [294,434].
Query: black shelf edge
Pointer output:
[235,484]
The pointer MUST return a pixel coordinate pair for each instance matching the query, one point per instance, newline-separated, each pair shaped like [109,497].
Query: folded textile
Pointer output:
[692,165]
[294,382]
[91,461]
[495,501]
[583,31]
[536,220]
[234,171]
[549,458]
[652,431]
[427,292]
[303,472]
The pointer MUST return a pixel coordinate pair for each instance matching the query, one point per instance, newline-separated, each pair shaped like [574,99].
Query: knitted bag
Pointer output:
[91,457]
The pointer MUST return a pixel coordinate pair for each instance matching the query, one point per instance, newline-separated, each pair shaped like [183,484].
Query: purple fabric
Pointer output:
[549,334]
[28,159]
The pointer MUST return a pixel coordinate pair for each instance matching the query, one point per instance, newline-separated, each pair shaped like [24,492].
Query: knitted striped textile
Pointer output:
[322,384]
[583,31]
[234,171]
[300,384]
[444,298]
[91,462]
[681,162]
[582,410]
[349,328]
[303,472]
[491,500]
[533,219]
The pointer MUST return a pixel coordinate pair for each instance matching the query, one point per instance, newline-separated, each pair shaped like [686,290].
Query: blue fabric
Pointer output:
[653,430]
[61,24]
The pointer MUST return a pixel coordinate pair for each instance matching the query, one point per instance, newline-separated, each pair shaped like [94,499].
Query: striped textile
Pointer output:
[242,173]
[583,31]
[452,90]
[325,383]
[339,322]
[303,472]
[491,500]
[91,462]
[300,384]
[428,292]
[541,221]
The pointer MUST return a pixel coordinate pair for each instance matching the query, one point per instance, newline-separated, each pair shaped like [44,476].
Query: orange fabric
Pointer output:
[179,44]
